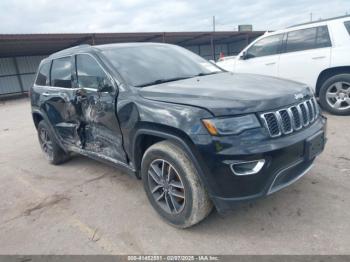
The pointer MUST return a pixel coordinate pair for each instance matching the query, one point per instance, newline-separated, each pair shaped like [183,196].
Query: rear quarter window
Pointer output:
[347,26]
[43,75]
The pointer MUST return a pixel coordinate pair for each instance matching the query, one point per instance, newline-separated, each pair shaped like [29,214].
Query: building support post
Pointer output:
[212,46]
[18,74]
[212,41]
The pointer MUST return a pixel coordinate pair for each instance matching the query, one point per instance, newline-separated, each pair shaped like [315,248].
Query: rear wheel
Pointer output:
[52,151]
[335,94]
[172,185]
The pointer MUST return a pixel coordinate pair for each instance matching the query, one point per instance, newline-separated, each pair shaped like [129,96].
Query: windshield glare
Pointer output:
[142,65]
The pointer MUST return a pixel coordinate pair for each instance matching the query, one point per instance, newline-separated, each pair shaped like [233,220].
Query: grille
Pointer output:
[291,119]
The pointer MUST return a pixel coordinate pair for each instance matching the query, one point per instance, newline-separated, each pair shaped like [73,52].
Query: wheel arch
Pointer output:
[158,133]
[329,72]
[38,116]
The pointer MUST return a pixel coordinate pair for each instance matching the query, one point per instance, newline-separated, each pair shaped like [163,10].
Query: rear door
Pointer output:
[306,53]
[59,101]
[99,127]
[262,57]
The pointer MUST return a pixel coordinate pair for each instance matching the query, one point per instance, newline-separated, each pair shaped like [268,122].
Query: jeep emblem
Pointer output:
[299,96]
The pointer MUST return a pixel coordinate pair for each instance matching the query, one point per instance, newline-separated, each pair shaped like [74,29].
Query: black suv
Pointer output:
[196,135]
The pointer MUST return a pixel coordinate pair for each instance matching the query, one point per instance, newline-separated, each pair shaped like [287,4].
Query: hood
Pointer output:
[229,93]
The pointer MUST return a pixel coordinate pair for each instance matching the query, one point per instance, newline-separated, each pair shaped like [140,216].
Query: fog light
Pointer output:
[246,168]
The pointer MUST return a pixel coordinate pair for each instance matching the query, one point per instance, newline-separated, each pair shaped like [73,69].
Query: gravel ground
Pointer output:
[85,207]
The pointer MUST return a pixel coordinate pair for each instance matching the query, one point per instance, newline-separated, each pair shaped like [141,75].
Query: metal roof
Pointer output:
[45,44]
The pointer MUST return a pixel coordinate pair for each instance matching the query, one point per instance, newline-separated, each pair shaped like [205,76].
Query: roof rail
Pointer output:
[76,46]
[67,50]
[321,20]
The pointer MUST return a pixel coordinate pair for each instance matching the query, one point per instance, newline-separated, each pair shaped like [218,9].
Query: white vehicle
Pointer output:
[316,53]
[226,61]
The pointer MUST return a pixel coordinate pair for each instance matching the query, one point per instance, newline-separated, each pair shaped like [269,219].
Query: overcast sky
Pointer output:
[65,16]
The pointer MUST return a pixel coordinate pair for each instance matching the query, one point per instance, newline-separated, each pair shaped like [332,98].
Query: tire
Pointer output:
[184,182]
[336,91]
[53,152]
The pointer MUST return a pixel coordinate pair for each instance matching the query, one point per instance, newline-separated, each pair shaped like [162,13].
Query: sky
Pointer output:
[80,16]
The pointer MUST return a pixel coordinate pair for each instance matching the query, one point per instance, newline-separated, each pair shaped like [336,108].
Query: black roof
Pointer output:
[89,48]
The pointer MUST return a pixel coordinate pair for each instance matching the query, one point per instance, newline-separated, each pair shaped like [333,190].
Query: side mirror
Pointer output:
[105,86]
[244,56]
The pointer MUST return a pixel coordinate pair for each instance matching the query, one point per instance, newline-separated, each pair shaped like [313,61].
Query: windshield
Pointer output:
[156,64]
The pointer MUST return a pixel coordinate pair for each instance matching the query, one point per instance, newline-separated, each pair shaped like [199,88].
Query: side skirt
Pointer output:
[104,159]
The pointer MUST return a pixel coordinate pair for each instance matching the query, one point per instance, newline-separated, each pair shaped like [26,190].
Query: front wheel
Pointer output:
[335,94]
[172,185]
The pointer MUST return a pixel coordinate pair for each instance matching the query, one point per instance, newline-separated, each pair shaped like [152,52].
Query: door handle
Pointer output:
[318,57]
[269,64]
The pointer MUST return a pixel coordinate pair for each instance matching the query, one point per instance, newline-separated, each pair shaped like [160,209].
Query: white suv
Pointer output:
[316,53]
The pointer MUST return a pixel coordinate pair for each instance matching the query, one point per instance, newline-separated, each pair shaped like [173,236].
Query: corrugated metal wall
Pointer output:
[17,73]
[228,49]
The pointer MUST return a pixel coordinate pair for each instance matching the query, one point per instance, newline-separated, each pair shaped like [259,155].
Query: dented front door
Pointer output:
[99,130]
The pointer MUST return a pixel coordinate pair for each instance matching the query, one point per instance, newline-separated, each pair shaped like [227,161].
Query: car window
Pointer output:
[267,46]
[306,39]
[323,39]
[89,72]
[147,64]
[301,40]
[347,25]
[61,72]
[43,75]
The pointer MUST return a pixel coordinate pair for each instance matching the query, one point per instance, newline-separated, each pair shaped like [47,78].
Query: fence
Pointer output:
[17,73]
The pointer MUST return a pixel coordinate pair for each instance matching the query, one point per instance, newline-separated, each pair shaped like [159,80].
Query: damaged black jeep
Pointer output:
[196,135]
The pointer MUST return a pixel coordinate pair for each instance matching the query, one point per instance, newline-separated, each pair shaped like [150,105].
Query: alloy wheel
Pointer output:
[46,143]
[166,186]
[338,95]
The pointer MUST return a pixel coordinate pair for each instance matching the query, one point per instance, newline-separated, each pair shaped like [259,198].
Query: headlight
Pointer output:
[230,125]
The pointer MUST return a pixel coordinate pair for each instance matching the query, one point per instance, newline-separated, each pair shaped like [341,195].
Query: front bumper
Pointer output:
[285,162]
[281,179]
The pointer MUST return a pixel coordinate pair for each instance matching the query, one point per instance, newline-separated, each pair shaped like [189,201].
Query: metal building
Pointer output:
[20,55]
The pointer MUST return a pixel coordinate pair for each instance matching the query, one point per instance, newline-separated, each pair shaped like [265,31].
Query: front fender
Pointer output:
[135,112]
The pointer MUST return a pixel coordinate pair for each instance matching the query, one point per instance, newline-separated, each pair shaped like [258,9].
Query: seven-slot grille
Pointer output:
[288,120]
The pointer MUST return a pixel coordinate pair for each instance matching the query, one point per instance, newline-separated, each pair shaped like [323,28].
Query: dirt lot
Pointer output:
[85,207]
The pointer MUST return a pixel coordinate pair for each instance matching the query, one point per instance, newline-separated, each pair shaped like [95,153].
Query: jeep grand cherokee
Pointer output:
[196,135]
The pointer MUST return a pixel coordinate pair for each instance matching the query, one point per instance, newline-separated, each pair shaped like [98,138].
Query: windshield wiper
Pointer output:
[161,81]
[206,74]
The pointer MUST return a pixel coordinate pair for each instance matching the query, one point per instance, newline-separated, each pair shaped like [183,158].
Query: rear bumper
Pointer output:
[285,158]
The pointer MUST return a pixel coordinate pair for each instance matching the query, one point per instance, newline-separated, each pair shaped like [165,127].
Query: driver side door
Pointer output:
[262,57]
[96,98]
